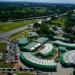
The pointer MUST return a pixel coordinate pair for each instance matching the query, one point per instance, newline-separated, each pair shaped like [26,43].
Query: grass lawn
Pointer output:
[60,21]
[25,74]
[2,47]
[4,65]
[2,50]
[7,26]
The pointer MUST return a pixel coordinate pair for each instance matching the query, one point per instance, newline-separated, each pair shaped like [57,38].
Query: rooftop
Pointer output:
[43,62]
[23,41]
[32,34]
[42,40]
[32,46]
[47,49]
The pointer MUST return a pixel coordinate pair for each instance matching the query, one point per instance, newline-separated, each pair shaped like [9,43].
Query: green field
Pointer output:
[4,65]
[59,22]
[7,26]
[2,47]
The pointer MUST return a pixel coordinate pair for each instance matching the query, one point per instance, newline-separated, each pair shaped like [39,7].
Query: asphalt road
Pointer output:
[7,34]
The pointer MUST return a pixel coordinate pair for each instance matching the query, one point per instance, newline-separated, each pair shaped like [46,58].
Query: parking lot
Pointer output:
[11,52]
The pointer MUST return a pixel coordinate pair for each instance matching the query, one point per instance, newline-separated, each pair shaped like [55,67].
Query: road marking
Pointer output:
[18,35]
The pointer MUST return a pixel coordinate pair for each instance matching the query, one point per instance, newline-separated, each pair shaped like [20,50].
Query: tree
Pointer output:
[69,25]
[45,30]
[36,25]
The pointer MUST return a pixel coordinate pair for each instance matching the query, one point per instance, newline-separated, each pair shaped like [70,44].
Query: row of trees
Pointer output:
[68,27]
[26,12]
[43,29]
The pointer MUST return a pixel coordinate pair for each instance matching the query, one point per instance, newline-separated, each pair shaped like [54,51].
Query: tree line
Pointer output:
[11,13]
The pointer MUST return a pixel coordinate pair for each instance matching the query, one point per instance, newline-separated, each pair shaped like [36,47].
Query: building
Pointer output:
[23,41]
[64,44]
[34,62]
[68,59]
[46,50]
[42,40]
[62,49]
[32,46]
[32,34]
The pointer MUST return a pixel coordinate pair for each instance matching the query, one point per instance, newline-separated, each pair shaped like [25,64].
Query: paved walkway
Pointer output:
[55,56]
